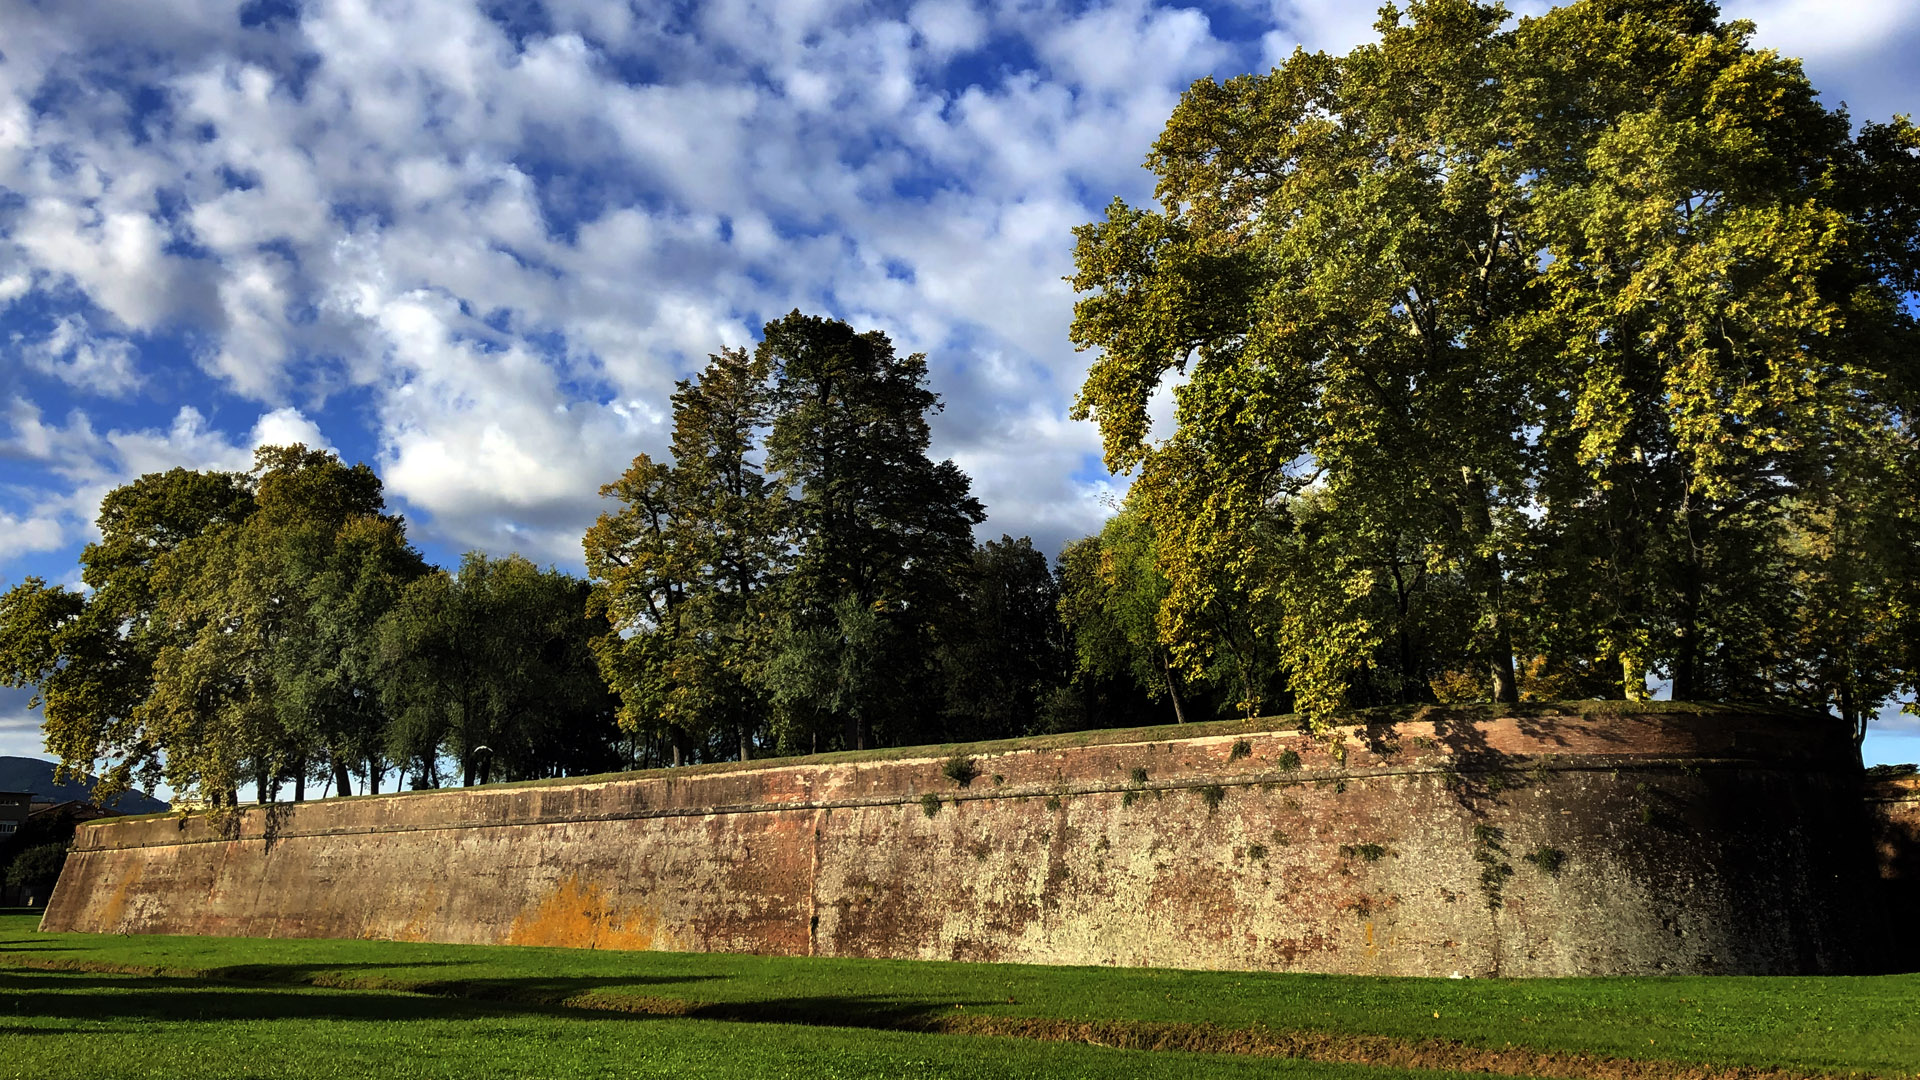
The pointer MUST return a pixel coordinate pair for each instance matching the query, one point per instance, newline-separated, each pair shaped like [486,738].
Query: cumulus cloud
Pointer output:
[19,726]
[72,353]
[505,236]
[79,465]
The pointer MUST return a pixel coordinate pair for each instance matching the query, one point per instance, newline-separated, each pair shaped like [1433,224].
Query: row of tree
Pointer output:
[799,576]
[275,628]
[1541,358]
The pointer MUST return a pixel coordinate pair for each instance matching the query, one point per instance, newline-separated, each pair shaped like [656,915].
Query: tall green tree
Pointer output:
[1111,595]
[261,675]
[874,524]
[89,656]
[683,569]
[1003,649]
[1586,314]
[495,667]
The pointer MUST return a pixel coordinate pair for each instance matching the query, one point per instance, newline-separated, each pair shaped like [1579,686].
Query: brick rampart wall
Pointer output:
[1562,840]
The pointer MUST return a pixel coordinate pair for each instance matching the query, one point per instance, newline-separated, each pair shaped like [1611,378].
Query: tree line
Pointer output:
[798,576]
[1515,359]
[275,628]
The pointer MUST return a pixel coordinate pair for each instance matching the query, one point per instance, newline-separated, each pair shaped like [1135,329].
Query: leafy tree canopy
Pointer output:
[1593,329]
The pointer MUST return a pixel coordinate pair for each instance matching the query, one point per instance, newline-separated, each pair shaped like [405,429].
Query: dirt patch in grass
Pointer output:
[1440,1054]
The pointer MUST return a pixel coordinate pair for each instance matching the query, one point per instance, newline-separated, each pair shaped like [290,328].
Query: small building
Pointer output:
[15,806]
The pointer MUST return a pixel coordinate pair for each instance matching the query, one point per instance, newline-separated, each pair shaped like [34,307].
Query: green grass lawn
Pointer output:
[56,1025]
[302,1008]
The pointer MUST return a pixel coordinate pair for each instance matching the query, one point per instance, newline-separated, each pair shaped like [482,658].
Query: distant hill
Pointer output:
[35,775]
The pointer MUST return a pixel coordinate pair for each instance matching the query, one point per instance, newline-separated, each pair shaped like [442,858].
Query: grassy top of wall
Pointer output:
[1357,720]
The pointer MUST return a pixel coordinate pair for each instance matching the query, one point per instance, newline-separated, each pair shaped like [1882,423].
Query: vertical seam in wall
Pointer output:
[813,887]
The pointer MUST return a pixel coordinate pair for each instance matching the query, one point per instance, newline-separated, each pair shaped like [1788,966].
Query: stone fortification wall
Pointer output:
[1550,841]
[1894,809]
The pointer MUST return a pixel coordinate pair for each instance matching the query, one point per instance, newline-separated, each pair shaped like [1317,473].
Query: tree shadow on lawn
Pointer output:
[11,1030]
[192,1000]
[89,996]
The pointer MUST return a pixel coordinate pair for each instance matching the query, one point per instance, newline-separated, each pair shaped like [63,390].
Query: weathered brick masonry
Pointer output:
[1551,841]
[1894,810]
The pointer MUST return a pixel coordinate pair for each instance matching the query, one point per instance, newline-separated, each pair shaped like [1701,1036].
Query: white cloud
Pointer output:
[511,245]
[22,536]
[19,727]
[72,353]
[1815,30]
[947,27]
[91,463]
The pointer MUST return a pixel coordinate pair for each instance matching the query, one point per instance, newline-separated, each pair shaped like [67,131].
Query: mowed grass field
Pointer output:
[78,1005]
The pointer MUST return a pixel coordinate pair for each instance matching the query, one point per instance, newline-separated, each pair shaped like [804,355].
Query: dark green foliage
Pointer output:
[1138,774]
[1547,859]
[1213,795]
[930,804]
[1489,850]
[37,867]
[228,638]
[1241,748]
[1002,648]
[1111,592]
[499,656]
[1256,852]
[90,659]
[1368,852]
[961,770]
[1289,761]
[873,523]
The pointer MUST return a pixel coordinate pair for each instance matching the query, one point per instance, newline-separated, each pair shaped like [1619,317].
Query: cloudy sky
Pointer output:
[474,243]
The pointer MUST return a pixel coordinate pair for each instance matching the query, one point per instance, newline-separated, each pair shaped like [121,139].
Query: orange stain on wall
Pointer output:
[115,915]
[580,916]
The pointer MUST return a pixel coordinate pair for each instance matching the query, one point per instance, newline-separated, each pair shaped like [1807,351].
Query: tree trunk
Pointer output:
[1855,721]
[745,749]
[1492,587]
[1686,652]
[1173,690]
[300,781]
[374,768]
[263,795]
[1506,685]
[342,780]
[466,765]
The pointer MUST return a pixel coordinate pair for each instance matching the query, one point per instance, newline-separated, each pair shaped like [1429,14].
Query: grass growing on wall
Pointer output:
[164,987]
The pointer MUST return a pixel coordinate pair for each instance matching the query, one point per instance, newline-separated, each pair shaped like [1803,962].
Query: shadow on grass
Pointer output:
[63,995]
[10,1030]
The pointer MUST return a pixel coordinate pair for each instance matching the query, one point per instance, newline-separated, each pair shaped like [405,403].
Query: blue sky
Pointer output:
[475,243]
